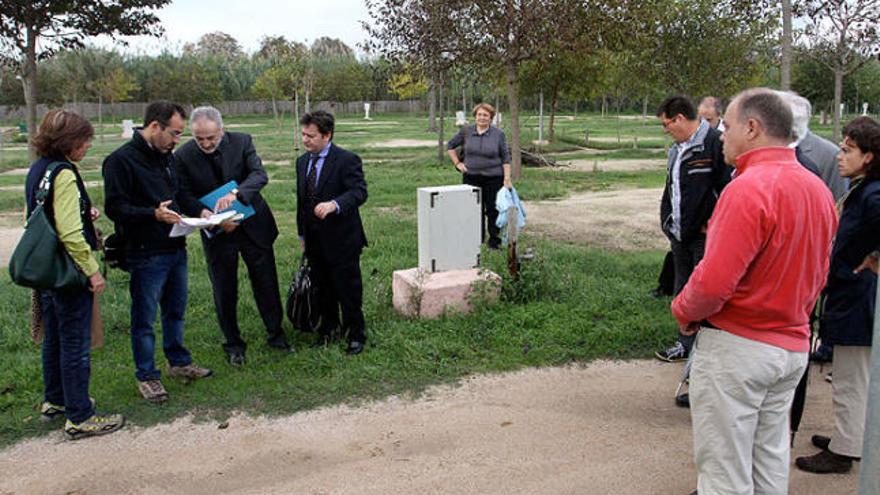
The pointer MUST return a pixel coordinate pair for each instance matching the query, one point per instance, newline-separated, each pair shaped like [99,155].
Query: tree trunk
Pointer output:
[513,102]
[432,107]
[554,101]
[100,118]
[296,120]
[645,109]
[838,94]
[604,105]
[274,110]
[29,85]
[441,149]
[785,67]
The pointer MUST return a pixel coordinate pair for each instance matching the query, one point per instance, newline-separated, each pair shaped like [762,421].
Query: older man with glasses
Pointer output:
[140,186]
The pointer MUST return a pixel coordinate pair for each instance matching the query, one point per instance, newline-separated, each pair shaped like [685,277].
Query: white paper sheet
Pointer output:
[188,225]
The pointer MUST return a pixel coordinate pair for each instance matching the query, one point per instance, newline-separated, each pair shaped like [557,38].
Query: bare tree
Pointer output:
[844,35]
[34,29]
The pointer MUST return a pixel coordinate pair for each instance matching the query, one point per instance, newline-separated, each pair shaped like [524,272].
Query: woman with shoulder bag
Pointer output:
[63,139]
[847,320]
[485,163]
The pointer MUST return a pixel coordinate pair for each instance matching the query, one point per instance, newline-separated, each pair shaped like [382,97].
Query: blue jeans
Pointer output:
[67,321]
[157,280]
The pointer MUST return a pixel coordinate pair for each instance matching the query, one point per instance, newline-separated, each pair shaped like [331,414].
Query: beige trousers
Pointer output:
[852,365]
[741,393]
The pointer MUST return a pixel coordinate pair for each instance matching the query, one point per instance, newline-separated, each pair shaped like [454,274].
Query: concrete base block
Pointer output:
[417,292]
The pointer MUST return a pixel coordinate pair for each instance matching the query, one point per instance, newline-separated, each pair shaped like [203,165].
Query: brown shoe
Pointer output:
[190,371]
[824,462]
[153,391]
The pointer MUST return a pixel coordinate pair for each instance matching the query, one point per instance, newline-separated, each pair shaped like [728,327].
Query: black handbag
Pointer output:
[114,251]
[302,307]
[40,261]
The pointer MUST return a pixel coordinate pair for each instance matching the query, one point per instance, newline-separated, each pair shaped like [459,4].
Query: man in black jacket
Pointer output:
[140,183]
[330,188]
[212,159]
[696,175]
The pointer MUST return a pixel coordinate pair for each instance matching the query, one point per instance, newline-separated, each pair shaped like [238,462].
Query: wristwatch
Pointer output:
[234,191]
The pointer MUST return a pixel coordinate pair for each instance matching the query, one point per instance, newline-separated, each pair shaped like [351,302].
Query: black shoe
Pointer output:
[657,293]
[237,358]
[821,441]
[354,347]
[824,462]
[683,400]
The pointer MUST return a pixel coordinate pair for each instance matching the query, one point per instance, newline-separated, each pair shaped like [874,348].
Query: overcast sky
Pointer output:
[249,20]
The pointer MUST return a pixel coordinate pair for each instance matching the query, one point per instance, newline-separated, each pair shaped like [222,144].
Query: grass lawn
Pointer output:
[572,303]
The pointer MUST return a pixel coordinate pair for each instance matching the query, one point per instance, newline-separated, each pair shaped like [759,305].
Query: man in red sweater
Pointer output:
[766,259]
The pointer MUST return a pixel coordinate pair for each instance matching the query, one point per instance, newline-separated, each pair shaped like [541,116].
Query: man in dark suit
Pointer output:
[330,188]
[210,160]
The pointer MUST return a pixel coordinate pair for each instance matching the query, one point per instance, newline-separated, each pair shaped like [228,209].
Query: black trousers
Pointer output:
[489,187]
[222,255]
[340,287]
[686,257]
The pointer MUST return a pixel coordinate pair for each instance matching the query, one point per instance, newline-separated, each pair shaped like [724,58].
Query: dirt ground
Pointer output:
[403,143]
[625,219]
[616,165]
[609,428]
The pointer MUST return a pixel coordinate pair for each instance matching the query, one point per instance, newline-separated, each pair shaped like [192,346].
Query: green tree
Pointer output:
[407,85]
[843,35]
[35,29]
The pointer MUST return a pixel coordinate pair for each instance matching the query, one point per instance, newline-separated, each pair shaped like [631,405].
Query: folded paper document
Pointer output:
[188,225]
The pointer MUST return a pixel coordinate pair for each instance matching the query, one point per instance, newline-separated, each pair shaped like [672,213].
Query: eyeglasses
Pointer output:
[174,134]
[667,122]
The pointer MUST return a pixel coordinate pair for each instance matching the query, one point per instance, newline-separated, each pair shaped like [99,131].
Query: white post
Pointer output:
[869,477]
[367,111]
[541,118]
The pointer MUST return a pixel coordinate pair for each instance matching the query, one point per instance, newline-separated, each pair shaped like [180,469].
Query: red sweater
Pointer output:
[767,252]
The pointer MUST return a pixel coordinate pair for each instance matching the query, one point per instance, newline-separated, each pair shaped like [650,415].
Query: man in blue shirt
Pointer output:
[330,188]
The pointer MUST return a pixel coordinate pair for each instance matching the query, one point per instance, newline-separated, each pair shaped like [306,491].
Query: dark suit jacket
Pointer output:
[239,162]
[342,180]
[848,314]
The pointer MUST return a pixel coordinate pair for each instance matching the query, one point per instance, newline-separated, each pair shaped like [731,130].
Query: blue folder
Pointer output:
[210,199]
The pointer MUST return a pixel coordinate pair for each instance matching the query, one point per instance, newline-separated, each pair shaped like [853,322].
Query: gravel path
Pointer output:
[609,428]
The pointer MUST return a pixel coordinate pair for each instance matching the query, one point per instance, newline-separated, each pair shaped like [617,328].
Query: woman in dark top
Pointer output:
[63,139]
[485,163]
[848,313]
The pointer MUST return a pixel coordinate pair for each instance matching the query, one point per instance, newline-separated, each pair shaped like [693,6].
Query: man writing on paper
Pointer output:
[140,182]
[211,160]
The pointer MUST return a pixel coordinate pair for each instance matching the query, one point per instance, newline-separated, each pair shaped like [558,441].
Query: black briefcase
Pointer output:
[302,307]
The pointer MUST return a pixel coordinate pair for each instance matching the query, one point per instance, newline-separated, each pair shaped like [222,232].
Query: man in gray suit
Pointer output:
[819,150]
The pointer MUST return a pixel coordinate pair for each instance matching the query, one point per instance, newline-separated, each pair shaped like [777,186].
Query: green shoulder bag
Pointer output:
[40,260]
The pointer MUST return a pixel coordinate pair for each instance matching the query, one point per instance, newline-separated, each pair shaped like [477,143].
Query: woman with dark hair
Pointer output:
[62,140]
[485,163]
[848,313]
